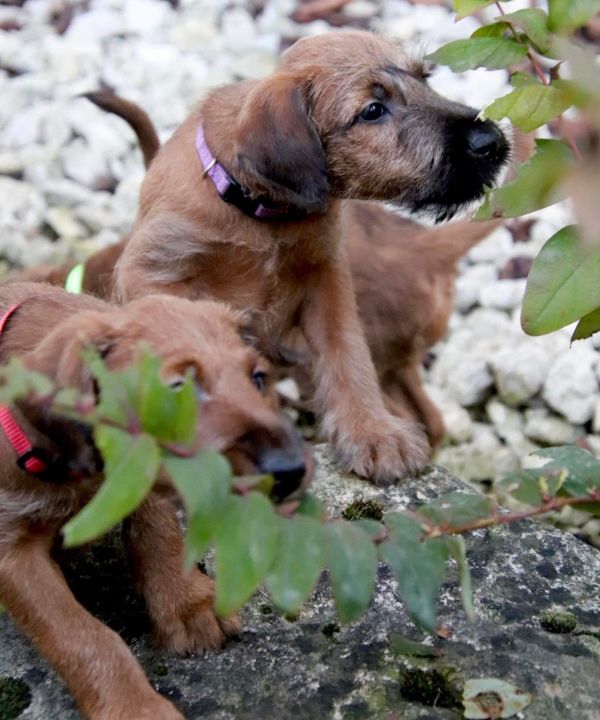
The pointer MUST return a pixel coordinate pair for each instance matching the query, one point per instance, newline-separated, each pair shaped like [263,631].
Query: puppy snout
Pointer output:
[485,140]
[287,468]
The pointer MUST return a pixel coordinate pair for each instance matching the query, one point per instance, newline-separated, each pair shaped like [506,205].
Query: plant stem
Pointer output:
[549,505]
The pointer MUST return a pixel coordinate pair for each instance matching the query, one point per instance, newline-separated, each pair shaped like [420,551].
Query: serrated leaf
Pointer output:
[246,542]
[534,23]
[298,564]
[418,567]
[488,52]
[203,483]
[456,508]
[563,283]
[497,29]
[570,14]
[468,7]
[531,106]
[374,529]
[536,185]
[587,326]
[485,698]
[130,468]
[352,561]
[458,550]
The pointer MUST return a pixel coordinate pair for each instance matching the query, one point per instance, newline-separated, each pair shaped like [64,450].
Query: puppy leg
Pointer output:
[369,440]
[180,605]
[102,674]
[410,386]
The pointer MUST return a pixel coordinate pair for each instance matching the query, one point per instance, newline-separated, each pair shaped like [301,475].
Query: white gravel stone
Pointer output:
[459,426]
[502,294]
[520,372]
[549,429]
[496,248]
[470,283]
[571,384]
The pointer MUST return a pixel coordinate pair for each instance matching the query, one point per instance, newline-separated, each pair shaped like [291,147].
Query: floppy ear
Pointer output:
[277,148]
[60,354]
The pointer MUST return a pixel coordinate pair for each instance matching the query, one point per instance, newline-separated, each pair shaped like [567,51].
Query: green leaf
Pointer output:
[488,52]
[458,550]
[400,645]
[203,482]
[456,508]
[534,23]
[313,507]
[582,467]
[563,283]
[17,382]
[531,106]
[374,529]
[299,562]
[468,7]
[353,563]
[165,413]
[418,566]
[522,79]
[246,543]
[535,186]
[130,468]
[497,29]
[587,326]
[570,14]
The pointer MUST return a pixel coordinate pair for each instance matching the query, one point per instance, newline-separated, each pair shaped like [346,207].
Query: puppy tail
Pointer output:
[134,116]
[455,239]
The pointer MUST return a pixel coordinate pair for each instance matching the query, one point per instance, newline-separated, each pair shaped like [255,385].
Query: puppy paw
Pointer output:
[384,450]
[188,624]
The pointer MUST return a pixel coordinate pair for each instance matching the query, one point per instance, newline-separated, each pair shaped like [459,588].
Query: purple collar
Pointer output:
[232,192]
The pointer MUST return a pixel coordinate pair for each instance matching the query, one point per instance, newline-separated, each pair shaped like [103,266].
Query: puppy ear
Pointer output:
[277,148]
[60,355]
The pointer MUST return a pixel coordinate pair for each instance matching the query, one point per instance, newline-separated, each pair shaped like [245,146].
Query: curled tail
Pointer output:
[134,116]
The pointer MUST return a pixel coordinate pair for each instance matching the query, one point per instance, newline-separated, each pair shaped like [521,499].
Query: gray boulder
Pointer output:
[311,668]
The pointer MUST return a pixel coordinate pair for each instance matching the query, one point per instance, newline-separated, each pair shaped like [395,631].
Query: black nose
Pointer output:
[287,468]
[484,139]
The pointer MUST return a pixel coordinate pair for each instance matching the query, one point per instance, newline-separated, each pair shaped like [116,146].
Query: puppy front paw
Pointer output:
[187,623]
[383,450]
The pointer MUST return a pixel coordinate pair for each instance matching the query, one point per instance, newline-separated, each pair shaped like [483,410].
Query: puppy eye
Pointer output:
[259,380]
[373,111]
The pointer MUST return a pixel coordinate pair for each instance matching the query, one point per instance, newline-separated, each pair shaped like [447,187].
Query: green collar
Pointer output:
[74,281]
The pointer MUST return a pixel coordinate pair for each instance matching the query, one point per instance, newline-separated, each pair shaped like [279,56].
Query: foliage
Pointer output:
[536,46]
[145,430]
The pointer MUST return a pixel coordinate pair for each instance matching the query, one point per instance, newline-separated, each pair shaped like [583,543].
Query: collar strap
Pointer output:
[32,460]
[233,193]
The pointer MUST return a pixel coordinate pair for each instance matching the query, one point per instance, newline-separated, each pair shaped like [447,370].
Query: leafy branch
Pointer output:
[147,432]
[563,284]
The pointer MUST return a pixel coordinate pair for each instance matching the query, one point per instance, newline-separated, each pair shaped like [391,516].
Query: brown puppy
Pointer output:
[238,417]
[245,204]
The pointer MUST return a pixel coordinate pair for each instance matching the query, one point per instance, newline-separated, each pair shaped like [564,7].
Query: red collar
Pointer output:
[29,458]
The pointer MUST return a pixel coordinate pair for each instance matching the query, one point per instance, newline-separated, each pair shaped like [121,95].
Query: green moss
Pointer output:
[558,621]
[160,670]
[360,509]
[330,630]
[15,697]
[429,687]
[266,609]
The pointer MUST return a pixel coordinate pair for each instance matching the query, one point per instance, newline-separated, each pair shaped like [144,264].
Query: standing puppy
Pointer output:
[244,204]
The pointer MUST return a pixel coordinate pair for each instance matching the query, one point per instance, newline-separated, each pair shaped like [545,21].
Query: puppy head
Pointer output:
[238,411]
[278,153]
[385,134]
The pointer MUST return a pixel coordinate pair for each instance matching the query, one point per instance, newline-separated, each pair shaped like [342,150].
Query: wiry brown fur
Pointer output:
[297,138]
[48,331]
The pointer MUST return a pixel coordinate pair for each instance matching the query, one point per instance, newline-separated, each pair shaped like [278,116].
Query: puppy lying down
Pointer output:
[48,329]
